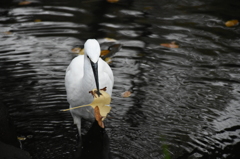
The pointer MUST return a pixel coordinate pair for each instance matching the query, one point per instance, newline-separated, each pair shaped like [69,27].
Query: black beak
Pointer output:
[95,72]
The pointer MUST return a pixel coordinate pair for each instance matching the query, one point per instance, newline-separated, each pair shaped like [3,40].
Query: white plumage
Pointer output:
[80,79]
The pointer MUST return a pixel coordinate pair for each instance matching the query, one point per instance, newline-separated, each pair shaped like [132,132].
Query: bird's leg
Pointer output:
[104,89]
[97,93]
[77,121]
[93,94]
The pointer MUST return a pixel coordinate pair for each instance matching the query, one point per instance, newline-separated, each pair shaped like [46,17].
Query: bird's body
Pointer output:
[80,79]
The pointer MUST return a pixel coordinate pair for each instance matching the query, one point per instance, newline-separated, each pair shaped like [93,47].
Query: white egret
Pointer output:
[85,73]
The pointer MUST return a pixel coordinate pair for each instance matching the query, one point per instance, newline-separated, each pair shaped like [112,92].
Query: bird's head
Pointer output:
[92,51]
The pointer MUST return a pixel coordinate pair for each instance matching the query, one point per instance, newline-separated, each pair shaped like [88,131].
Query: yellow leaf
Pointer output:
[170,45]
[110,39]
[81,52]
[21,138]
[102,101]
[126,94]
[24,3]
[231,23]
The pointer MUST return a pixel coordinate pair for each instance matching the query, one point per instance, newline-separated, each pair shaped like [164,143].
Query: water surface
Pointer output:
[184,103]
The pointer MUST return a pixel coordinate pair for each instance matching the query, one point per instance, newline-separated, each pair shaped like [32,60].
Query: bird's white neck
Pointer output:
[88,76]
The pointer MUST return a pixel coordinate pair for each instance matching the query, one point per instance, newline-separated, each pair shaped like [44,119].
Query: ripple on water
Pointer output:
[184,101]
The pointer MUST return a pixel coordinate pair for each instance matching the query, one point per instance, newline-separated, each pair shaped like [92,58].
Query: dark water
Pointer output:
[185,101]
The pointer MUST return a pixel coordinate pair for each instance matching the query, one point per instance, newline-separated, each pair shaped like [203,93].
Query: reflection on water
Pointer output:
[184,101]
[95,144]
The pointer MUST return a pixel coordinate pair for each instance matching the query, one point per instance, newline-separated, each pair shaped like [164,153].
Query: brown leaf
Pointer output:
[112,1]
[24,3]
[78,50]
[126,94]
[170,45]
[7,33]
[148,8]
[231,23]
[104,52]
[37,20]
[108,60]
[98,117]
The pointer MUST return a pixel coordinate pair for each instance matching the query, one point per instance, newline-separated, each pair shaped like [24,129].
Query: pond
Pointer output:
[184,103]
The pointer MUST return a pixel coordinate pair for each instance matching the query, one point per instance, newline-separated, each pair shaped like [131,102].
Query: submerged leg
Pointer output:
[77,121]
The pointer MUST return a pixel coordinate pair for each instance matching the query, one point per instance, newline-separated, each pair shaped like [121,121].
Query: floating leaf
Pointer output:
[148,8]
[110,39]
[102,101]
[81,52]
[78,50]
[98,117]
[170,45]
[37,20]
[24,3]
[231,23]
[7,32]
[21,138]
[108,60]
[104,52]
[126,94]
[112,1]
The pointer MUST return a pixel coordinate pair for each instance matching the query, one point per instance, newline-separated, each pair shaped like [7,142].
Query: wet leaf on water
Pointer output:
[102,101]
[112,1]
[81,52]
[21,138]
[126,94]
[104,52]
[37,20]
[170,45]
[78,50]
[108,60]
[7,32]
[110,39]
[231,23]
[148,8]
[24,3]
[98,117]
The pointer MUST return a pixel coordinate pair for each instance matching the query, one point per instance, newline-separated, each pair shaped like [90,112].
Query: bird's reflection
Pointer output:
[93,145]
